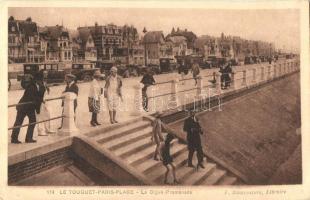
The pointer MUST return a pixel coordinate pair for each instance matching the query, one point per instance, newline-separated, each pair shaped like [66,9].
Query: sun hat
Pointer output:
[113,69]
[97,74]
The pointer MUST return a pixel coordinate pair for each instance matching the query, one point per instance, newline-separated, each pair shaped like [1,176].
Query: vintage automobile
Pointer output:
[214,62]
[54,75]
[167,65]
[83,70]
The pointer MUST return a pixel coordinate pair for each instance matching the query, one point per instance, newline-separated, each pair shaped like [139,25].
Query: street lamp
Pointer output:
[145,56]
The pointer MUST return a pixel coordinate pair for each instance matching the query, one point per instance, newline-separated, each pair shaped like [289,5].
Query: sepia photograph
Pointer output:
[115,96]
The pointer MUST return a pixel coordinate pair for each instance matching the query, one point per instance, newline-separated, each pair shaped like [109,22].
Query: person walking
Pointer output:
[195,71]
[44,127]
[29,104]
[225,71]
[94,98]
[193,130]
[157,136]
[71,86]
[167,158]
[113,93]
[183,71]
[147,80]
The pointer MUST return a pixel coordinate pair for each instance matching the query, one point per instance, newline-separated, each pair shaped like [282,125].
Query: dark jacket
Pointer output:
[193,130]
[31,94]
[147,80]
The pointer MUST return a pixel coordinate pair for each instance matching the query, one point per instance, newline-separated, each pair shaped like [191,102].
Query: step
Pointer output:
[152,164]
[80,175]
[141,156]
[200,175]
[158,174]
[98,130]
[105,137]
[215,177]
[228,180]
[132,148]
[127,139]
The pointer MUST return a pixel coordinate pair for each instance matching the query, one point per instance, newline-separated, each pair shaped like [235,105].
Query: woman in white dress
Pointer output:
[113,93]
[94,96]
[44,127]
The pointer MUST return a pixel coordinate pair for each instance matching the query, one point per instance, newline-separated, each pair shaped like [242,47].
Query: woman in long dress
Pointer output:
[157,136]
[44,127]
[94,98]
[113,93]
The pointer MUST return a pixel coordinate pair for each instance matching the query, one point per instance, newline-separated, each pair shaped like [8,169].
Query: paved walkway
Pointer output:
[126,108]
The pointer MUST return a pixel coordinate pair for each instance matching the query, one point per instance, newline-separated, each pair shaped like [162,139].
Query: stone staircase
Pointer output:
[131,143]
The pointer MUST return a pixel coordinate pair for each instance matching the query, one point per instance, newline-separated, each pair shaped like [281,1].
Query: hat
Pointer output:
[71,76]
[98,74]
[113,69]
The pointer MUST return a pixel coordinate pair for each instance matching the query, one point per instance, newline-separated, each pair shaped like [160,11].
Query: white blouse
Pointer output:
[95,90]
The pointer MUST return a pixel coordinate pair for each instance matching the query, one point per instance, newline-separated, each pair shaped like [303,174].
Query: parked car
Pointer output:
[167,65]
[54,75]
[104,66]
[83,70]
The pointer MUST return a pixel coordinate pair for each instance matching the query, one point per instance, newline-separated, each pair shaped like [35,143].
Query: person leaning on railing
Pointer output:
[147,80]
[29,105]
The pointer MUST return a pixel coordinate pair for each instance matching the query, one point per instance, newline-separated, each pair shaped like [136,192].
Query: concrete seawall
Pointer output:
[255,133]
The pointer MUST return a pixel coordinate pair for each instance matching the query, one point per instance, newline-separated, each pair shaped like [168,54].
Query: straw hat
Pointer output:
[97,74]
[71,76]
[113,69]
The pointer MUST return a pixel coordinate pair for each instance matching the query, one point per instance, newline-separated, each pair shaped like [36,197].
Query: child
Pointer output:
[157,136]
[167,159]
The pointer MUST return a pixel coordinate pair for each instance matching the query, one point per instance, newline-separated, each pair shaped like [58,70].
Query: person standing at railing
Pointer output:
[43,128]
[113,93]
[147,80]
[182,69]
[193,130]
[195,71]
[29,105]
[225,71]
[71,87]
[94,97]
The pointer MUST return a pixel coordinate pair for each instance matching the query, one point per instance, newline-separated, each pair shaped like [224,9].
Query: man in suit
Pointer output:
[29,104]
[193,130]
[71,86]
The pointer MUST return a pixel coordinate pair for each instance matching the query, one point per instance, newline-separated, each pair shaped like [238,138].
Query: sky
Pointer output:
[279,26]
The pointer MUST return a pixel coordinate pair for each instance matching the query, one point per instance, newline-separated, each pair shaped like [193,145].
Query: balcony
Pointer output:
[14,44]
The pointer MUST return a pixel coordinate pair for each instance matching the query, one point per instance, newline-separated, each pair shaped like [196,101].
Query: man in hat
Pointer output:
[29,104]
[193,130]
[147,80]
[113,93]
[71,86]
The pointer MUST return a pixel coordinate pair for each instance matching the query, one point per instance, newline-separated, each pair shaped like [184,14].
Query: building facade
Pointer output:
[23,41]
[154,44]
[56,44]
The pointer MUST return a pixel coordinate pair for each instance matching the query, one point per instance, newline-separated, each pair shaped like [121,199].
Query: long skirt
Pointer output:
[44,127]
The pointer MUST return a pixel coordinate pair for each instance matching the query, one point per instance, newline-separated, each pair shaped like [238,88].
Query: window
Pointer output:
[61,44]
[103,51]
[69,55]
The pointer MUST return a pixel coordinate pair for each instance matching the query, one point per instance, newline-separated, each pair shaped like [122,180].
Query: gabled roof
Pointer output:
[177,39]
[154,37]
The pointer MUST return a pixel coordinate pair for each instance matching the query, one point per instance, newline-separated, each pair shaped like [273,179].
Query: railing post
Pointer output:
[68,122]
[275,71]
[262,73]
[244,81]
[254,76]
[233,81]
[138,101]
[268,72]
[199,87]
[174,93]
[218,86]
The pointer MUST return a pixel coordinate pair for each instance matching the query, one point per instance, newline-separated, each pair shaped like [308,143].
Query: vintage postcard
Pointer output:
[154,100]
